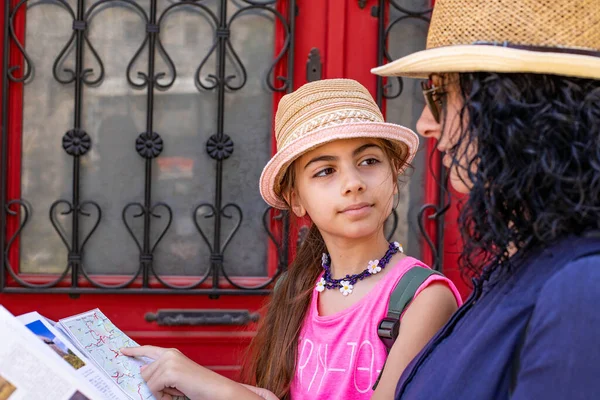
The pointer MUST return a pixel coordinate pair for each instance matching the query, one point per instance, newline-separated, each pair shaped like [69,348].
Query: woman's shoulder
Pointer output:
[566,305]
[574,287]
[561,340]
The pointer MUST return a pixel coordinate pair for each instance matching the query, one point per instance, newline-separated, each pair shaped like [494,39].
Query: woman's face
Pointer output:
[448,130]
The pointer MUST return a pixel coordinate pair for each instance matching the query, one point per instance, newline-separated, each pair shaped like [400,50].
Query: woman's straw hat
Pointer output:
[559,37]
[320,112]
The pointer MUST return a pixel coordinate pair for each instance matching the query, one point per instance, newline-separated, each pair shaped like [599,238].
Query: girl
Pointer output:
[514,102]
[337,162]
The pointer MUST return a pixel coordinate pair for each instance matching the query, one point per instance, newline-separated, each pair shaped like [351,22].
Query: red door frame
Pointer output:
[15,118]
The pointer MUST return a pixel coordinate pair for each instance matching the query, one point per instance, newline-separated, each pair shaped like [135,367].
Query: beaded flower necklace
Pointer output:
[346,284]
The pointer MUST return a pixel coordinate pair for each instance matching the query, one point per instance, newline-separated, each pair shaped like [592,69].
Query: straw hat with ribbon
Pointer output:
[558,37]
[321,112]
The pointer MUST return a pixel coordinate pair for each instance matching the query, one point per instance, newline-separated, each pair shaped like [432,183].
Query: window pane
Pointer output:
[114,114]
[47,115]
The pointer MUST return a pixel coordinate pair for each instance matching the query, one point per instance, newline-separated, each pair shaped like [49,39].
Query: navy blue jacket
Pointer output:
[546,313]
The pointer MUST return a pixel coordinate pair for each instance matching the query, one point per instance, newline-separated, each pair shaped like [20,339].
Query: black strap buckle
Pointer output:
[388,331]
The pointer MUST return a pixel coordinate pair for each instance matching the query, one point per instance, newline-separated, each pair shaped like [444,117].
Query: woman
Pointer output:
[513,99]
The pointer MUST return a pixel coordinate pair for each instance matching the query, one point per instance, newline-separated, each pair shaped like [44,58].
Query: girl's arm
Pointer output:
[427,313]
[172,374]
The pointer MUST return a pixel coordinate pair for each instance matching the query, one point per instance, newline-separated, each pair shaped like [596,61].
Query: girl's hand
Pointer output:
[173,374]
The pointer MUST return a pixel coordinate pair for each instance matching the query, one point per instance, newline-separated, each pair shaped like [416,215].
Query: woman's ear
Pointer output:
[295,204]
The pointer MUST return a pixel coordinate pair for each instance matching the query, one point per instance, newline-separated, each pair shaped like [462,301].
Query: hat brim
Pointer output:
[274,169]
[475,58]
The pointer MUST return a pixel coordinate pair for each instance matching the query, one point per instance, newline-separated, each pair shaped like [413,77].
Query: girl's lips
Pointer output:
[357,209]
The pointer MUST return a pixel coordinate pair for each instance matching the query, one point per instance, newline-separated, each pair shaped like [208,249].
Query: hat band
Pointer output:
[338,117]
[541,49]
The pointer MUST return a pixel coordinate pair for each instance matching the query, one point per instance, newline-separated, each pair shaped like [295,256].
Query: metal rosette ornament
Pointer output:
[149,145]
[219,147]
[76,142]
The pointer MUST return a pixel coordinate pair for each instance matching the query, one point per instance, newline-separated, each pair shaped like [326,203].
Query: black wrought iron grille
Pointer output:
[76,142]
[392,88]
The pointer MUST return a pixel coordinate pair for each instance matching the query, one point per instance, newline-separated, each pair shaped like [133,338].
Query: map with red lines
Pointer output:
[101,340]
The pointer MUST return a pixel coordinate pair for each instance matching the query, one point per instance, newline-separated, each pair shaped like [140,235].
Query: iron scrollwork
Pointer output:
[156,217]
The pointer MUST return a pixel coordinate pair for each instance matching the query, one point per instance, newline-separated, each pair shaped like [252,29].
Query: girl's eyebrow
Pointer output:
[320,158]
[363,148]
[334,158]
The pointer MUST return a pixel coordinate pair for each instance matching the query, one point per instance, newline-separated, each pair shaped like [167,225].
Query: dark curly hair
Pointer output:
[535,171]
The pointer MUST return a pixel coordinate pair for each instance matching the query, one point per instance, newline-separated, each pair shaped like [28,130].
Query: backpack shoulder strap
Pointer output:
[401,296]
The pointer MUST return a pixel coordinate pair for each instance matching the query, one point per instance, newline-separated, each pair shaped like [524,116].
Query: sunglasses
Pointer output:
[433,99]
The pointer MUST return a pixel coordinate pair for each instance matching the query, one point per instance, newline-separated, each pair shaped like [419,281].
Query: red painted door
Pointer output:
[133,136]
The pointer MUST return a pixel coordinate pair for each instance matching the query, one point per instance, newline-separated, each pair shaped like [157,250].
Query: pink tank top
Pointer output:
[340,356]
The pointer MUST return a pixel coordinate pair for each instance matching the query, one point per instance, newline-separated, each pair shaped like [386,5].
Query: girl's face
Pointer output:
[347,188]
[448,130]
